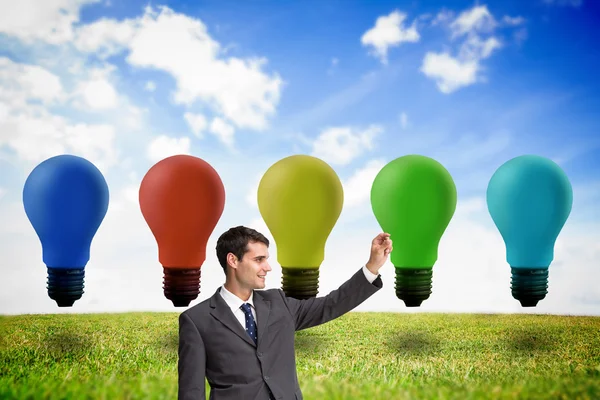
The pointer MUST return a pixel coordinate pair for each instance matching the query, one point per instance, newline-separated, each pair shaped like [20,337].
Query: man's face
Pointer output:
[253,267]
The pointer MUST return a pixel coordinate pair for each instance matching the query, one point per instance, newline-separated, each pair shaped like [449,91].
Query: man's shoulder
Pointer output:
[199,309]
[274,296]
[269,294]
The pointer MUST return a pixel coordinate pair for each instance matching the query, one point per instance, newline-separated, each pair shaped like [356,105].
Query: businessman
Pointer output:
[242,339]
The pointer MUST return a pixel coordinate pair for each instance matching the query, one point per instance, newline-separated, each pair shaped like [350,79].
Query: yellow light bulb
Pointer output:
[300,199]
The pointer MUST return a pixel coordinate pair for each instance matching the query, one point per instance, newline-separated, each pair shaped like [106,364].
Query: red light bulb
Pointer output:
[182,198]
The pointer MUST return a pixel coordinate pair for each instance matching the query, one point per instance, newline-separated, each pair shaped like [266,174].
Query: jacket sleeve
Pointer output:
[192,361]
[318,310]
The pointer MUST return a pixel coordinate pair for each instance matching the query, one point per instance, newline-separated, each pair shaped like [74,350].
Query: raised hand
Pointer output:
[381,247]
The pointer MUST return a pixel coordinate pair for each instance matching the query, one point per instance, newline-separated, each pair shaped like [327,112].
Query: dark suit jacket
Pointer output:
[213,344]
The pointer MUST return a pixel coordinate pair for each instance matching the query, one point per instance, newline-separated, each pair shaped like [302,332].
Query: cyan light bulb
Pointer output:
[529,198]
[65,199]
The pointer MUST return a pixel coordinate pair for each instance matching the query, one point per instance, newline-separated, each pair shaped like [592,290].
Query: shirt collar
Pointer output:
[233,301]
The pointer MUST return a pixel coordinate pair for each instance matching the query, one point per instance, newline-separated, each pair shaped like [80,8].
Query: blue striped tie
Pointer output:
[250,324]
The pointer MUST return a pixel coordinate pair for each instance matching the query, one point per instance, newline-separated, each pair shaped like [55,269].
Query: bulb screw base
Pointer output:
[529,285]
[65,285]
[300,283]
[181,285]
[413,285]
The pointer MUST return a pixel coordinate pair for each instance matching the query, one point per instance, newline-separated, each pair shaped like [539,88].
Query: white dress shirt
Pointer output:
[235,302]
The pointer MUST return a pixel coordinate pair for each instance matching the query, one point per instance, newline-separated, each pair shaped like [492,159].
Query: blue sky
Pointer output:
[244,84]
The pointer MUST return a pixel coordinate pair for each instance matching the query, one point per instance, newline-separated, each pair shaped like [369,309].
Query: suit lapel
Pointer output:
[222,312]
[263,309]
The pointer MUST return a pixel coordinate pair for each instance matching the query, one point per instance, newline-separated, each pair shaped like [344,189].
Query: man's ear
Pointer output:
[231,259]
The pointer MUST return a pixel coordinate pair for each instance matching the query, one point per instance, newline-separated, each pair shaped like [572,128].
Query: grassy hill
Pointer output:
[357,356]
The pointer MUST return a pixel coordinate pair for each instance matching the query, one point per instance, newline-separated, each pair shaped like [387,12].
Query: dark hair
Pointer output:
[235,241]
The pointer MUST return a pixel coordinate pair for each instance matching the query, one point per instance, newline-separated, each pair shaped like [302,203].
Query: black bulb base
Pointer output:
[65,285]
[529,285]
[181,285]
[300,283]
[413,285]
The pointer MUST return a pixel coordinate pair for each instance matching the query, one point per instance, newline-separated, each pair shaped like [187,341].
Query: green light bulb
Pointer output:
[300,199]
[414,198]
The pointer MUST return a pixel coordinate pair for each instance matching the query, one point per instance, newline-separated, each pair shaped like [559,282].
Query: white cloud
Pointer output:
[454,72]
[223,131]
[94,142]
[449,73]
[403,120]
[442,17]
[470,206]
[4,111]
[131,193]
[357,189]
[196,122]
[164,146]
[477,19]
[35,138]
[474,48]
[340,145]
[34,133]
[236,89]
[150,86]
[23,82]
[389,31]
[105,37]
[508,20]
[97,92]
[133,116]
[50,21]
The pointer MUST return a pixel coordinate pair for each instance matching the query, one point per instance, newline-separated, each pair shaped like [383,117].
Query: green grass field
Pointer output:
[357,356]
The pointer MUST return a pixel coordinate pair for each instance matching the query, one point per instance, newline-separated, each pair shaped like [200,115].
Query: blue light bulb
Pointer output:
[65,198]
[529,198]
